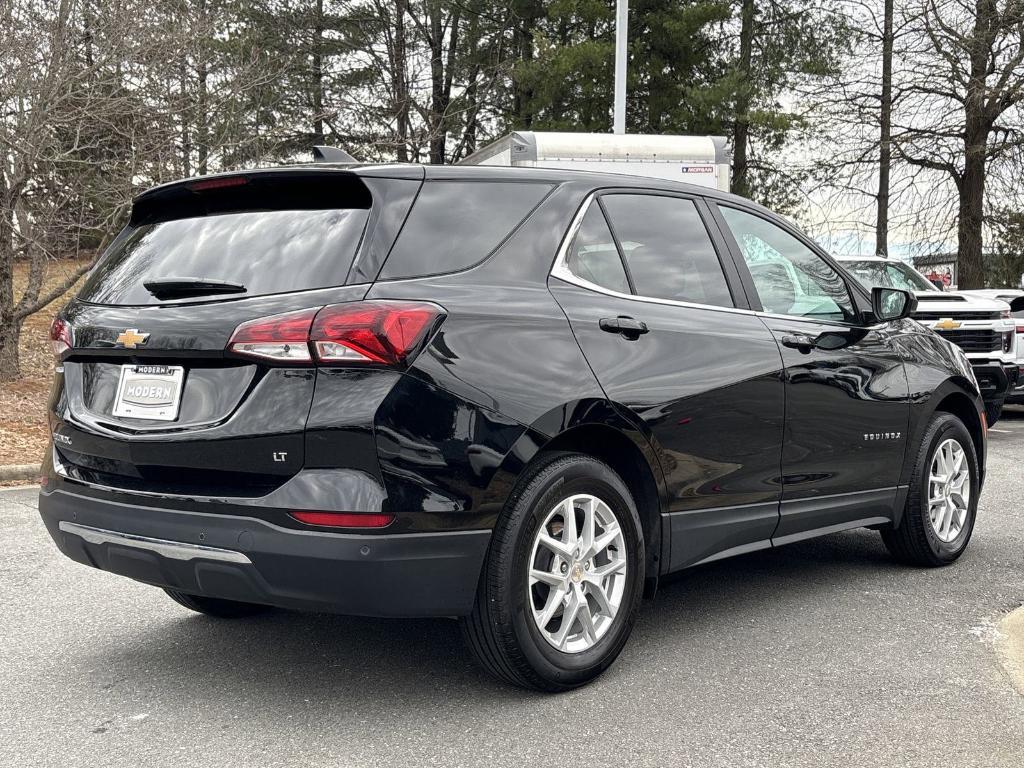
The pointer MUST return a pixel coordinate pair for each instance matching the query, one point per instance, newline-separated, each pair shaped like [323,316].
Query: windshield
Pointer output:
[894,274]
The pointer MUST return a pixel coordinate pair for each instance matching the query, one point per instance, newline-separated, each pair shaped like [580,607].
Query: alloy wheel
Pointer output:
[949,490]
[577,573]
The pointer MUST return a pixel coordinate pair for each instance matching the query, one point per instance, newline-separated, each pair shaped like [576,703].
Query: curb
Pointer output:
[14,472]
[1011,647]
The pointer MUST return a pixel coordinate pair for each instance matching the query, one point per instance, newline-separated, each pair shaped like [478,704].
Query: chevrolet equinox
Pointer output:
[512,396]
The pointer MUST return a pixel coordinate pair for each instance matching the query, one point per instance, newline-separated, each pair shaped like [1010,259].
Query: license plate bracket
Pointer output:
[149,392]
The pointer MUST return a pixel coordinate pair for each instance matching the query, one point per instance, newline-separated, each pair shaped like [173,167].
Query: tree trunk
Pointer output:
[9,368]
[885,136]
[741,128]
[318,74]
[186,131]
[401,79]
[10,363]
[472,110]
[202,106]
[202,123]
[522,96]
[441,76]
[970,264]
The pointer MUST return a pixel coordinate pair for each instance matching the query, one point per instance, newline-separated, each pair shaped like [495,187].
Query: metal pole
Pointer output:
[621,37]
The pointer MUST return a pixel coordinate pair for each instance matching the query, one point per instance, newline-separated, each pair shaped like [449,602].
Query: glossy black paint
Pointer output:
[730,439]
[716,424]
[847,412]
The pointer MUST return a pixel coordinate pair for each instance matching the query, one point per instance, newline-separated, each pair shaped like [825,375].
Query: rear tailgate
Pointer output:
[147,397]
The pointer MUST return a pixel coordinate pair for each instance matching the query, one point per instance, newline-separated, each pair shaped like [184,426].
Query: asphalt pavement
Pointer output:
[817,654]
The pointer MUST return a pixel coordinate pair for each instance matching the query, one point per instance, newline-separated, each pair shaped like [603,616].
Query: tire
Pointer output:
[212,606]
[992,412]
[503,630]
[916,541]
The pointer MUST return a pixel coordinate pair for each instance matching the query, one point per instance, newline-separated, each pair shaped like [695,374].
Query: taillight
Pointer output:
[344,519]
[1020,329]
[1008,340]
[61,337]
[284,338]
[387,332]
[362,332]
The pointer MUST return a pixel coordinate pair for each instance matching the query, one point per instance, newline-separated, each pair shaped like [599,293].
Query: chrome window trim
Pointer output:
[562,272]
[175,550]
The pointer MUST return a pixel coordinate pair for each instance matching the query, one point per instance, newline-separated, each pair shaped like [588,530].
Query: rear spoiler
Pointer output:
[261,190]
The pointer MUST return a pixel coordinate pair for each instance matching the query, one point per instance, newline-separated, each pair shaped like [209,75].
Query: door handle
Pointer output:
[798,341]
[624,326]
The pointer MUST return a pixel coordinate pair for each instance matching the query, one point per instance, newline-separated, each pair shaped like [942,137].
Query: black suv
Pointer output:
[512,396]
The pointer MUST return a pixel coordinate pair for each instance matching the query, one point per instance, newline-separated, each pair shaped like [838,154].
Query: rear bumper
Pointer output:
[250,560]
[996,380]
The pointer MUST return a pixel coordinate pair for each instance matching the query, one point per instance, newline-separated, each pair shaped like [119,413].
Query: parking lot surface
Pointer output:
[820,653]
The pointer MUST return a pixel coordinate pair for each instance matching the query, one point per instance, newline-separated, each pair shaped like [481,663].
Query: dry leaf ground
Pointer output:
[23,429]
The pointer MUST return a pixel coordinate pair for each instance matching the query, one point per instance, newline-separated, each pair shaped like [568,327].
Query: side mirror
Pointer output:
[1017,304]
[892,303]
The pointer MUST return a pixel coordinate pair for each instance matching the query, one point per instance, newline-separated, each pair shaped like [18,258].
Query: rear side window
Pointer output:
[593,255]
[668,251]
[455,225]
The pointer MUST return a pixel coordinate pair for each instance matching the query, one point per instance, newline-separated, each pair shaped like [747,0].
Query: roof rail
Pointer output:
[322,154]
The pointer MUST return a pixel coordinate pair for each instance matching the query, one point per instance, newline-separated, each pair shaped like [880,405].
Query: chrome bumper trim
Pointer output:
[176,550]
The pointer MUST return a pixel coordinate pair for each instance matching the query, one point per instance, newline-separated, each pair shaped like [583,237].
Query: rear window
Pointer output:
[273,251]
[455,225]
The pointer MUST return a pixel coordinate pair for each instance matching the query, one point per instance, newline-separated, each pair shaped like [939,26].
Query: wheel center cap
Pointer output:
[576,573]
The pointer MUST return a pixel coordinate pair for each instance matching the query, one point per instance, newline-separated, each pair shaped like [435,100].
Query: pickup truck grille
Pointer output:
[974,341]
[958,316]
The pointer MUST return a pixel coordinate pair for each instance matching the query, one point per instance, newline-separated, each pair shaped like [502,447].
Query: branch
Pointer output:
[57,292]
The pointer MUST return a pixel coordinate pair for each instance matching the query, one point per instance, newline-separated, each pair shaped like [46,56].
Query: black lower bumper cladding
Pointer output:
[996,381]
[250,560]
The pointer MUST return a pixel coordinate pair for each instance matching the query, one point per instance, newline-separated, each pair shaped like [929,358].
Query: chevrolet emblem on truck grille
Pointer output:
[131,338]
[947,324]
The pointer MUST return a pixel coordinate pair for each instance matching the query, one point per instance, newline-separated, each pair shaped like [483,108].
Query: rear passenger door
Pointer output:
[658,314]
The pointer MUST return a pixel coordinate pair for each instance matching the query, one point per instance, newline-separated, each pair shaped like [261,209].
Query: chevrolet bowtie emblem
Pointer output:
[131,338]
[949,324]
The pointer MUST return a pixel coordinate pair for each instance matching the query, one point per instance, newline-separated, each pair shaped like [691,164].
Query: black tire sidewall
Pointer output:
[582,475]
[948,427]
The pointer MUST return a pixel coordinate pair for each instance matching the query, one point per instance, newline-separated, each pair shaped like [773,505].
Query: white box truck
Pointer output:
[701,160]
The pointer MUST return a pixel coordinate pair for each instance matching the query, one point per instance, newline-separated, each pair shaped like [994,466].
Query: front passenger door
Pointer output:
[847,397]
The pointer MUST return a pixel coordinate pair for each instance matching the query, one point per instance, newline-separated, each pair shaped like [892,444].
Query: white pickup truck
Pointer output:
[1015,298]
[980,325]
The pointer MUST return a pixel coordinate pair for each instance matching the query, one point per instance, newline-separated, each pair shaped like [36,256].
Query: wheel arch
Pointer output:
[960,405]
[596,428]
[954,398]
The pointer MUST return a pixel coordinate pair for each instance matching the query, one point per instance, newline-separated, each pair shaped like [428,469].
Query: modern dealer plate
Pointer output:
[149,392]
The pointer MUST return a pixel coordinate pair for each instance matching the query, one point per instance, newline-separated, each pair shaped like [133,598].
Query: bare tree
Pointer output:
[885,132]
[90,114]
[962,114]
[61,113]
